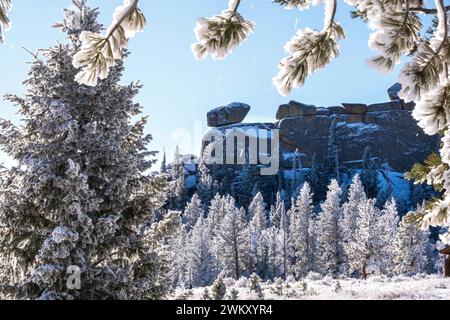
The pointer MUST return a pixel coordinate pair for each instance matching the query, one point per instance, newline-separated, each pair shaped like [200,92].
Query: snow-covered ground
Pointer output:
[418,287]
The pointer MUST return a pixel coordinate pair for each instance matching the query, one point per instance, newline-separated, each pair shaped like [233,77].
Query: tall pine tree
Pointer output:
[79,194]
[299,240]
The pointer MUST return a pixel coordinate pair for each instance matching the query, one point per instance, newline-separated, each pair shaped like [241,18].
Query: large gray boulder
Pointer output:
[230,114]
[295,109]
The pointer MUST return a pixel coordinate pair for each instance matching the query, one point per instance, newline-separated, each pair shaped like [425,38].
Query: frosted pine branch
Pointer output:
[100,52]
[309,51]
[397,33]
[221,34]
[5,6]
[292,4]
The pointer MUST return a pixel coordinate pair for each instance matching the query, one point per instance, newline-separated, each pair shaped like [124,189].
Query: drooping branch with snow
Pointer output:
[309,50]
[220,35]
[99,53]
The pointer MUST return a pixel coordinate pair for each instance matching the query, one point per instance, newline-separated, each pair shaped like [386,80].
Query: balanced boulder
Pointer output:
[230,114]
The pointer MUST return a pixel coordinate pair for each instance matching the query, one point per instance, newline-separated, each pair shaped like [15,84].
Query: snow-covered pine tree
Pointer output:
[206,187]
[179,267]
[216,213]
[273,267]
[298,176]
[164,163]
[410,249]
[277,211]
[347,223]
[328,232]
[315,264]
[369,174]
[258,224]
[256,208]
[200,255]
[193,211]
[388,226]
[243,185]
[233,240]
[332,161]
[283,242]
[299,242]
[219,289]
[363,249]
[177,200]
[313,178]
[79,193]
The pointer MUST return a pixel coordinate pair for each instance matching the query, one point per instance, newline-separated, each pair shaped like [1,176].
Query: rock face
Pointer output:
[230,114]
[391,134]
[388,129]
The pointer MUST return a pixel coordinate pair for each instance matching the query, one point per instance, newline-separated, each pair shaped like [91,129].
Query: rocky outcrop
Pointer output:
[388,129]
[230,114]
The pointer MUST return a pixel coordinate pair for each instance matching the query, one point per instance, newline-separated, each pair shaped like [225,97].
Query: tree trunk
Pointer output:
[364,273]
[236,261]
[447,266]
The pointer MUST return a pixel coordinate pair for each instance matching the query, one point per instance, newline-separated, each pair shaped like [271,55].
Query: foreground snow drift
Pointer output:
[419,287]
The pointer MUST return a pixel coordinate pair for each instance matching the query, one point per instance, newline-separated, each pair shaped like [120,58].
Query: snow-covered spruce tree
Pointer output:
[283,242]
[178,254]
[347,223]
[388,226]
[79,193]
[298,175]
[257,209]
[192,212]
[328,232]
[233,241]
[299,249]
[313,178]
[216,213]
[177,198]
[363,249]
[163,169]
[369,174]
[243,184]
[277,211]
[206,187]
[219,289]
[273,267]
[258,224]
[410,249]
[200,255]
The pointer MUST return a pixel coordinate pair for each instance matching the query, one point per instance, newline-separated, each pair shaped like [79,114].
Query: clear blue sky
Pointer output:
[178,90]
